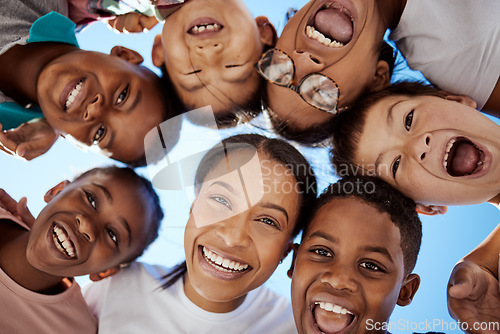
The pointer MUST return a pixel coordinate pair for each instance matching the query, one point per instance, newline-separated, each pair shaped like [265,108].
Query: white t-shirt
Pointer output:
[133,301]
[454,43]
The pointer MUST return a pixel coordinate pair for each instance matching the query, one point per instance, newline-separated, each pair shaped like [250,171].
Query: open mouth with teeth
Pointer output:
[463,157]
[63,242]
[223,264]
[331,318]
[73,94]
[204,27]
[332,25]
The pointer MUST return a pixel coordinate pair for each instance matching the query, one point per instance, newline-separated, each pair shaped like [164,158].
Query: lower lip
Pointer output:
[209,269]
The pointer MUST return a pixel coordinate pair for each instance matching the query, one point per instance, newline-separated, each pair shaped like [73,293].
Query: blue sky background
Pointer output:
[446,238]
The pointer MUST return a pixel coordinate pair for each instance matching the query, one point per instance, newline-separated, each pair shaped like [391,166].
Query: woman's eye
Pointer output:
[395,166]
[222,201]
[112,236]
[408,120]
[370,266]
[122,96]
[322,252]
[91,200]
[99,134]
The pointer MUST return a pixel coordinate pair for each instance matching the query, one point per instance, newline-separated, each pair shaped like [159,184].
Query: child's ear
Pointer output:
[157,54]
[52,192]
[127,54]
[408,289]
[382,77]
[99,276]
[464,99]
[431,210]
[295,248]
[268,34]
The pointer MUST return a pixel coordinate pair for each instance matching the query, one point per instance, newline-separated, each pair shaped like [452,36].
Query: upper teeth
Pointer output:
[448,148]
[226,264]
[333,308]
[62,241]
[312,33]
[202,27]
[73,94]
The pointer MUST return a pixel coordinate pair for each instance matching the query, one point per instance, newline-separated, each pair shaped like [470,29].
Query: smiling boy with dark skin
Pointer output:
[106,101]
[87,227]
[355,260]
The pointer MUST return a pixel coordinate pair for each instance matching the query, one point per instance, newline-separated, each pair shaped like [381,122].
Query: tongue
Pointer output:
[334,24]
[465,159]
[330,322]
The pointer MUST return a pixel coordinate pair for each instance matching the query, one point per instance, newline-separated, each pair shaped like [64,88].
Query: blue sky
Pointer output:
[446,238]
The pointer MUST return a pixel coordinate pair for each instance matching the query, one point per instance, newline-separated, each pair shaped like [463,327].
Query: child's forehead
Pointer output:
[351,213]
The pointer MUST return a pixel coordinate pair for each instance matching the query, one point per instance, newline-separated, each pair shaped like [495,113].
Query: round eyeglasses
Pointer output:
[316,89]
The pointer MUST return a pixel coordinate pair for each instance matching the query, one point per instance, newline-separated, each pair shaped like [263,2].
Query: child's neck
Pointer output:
[14,263]
[19,79]
[209,305]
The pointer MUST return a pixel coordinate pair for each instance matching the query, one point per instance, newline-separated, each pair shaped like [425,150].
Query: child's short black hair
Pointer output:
[348,125]
[157,211]
[384,197]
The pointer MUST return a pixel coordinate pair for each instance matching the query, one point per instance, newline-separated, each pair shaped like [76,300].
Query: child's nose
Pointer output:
[209,50]
[420,146]
[94,108]
[340,278]
[85,227]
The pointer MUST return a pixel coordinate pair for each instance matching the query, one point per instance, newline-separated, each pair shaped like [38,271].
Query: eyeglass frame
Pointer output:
[294,88]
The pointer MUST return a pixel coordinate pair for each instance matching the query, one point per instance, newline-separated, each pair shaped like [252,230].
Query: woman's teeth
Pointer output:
[73,94]
[223,264]
[63,242]
[312,33]
[333,308]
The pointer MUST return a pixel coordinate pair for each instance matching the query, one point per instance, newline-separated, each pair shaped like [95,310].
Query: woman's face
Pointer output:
[352,65]
[239,229]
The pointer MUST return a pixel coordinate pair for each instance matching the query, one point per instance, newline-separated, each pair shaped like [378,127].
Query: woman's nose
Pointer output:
[234,232]
[305,63]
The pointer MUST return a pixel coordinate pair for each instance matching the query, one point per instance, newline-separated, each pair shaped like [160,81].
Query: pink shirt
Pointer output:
[24,311]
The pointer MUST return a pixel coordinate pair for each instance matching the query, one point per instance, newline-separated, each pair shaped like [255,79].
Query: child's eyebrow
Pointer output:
[105,191]
[321,234]
[138,98]
[380,250]
[127,227]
